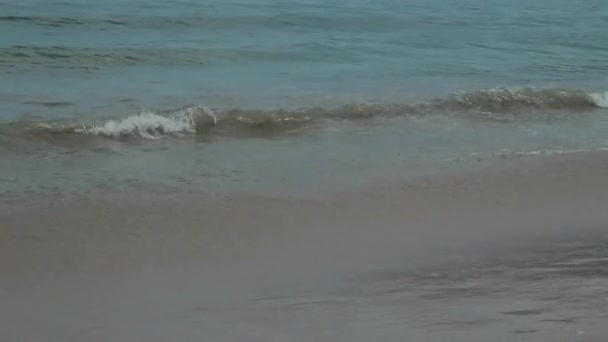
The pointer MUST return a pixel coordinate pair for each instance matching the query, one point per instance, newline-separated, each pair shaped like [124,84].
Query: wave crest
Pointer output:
[600,99]
[502,102]
[498,100]
[149,125]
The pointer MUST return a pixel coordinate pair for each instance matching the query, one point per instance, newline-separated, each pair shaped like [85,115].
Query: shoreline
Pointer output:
[142,266]
[525,197]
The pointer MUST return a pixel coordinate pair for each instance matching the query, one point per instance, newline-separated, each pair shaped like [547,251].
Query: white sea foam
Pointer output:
[148,125]
[600,99]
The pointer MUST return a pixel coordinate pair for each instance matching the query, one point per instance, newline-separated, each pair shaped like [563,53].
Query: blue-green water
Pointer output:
[234,94]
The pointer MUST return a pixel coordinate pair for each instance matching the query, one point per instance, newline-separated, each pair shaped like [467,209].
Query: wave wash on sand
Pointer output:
[374,262]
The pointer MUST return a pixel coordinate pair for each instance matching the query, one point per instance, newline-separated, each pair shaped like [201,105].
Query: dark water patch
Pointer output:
[50,103]
[58,21]
[529,312]
[467,323]
[529,331]
[560,320]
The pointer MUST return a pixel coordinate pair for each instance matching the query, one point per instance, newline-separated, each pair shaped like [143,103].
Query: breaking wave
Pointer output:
[200,120]
[149,125]
[504,99]
[600,99]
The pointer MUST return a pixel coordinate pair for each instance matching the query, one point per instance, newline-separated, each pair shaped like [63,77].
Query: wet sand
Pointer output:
[516,251]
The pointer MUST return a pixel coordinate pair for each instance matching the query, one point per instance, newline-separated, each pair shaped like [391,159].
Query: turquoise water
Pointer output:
[258,94]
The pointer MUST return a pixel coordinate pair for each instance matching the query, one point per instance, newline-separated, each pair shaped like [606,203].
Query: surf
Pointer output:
[510,103]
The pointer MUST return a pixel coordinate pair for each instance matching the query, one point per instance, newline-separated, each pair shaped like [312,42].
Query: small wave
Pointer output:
[509,153]
[24,58]
[505,99]
[500,102]
[57,21]
[50,103]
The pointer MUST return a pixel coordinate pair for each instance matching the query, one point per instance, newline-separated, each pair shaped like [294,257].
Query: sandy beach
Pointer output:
[89,267]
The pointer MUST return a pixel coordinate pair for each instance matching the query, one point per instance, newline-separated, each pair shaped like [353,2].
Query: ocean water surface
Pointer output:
[285,95]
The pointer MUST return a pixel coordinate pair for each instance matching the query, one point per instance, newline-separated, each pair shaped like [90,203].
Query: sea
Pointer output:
[218,114]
